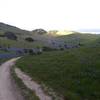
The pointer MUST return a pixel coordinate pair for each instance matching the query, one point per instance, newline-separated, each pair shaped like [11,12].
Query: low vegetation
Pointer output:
[4,52]
[29,39]
[71,67]
[2,60]
[74,73]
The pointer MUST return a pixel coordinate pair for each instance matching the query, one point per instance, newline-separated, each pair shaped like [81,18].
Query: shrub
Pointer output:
[31,52]
[25,50]
[29,39]
[10,35]
[48,49]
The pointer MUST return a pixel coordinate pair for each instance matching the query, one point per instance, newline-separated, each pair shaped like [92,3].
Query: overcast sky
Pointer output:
[51,14]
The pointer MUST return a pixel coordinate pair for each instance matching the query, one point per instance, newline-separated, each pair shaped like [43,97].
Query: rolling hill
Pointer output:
[54,38]
[73,73]
[19,33]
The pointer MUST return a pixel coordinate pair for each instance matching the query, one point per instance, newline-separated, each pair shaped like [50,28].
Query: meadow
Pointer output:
[73,73]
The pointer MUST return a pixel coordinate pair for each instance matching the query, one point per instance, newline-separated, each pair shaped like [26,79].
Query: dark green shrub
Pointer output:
[29,39]
[48,49]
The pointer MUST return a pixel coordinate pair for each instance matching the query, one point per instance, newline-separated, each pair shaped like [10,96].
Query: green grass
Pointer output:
[75,73]
[19,43]
[4,59]
[79,38]
[1,61]
[2,51]
[5,52]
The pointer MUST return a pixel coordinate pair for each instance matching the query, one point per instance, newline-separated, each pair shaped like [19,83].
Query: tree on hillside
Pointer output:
[39,31]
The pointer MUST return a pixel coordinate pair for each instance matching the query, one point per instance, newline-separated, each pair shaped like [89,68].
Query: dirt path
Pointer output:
[32,85]
[8,90]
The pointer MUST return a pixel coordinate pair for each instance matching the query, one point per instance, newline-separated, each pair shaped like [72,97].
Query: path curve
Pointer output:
[32,85]
[8,90]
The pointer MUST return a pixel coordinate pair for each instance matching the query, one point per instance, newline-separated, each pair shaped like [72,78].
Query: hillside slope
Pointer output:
[54,38]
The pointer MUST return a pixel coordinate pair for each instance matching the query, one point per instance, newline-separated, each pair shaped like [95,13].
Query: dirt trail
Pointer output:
[8,90]
[32,85]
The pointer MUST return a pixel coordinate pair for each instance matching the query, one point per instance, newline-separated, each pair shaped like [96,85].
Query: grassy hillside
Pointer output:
[53,38]
[72,40]
[19,43]
[74,73]
[21,35]
[79,38]
[5,27]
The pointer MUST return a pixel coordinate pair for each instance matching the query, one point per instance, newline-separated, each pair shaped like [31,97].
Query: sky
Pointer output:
[51,14]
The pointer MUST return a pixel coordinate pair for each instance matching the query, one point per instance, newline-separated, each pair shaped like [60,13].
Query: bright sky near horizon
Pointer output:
[51,14]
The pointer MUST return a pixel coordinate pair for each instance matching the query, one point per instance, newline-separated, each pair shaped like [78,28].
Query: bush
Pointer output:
[48,49]
[10,35]
[29,39]
[31,52]
[25,50]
